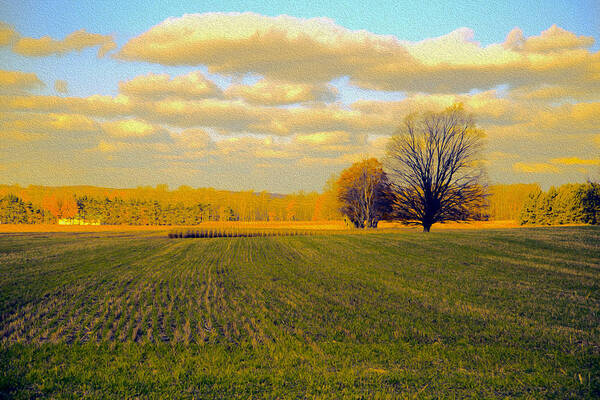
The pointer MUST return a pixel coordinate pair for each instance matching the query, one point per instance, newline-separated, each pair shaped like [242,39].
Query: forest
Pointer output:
[189,206]
[156,205]
[568,204]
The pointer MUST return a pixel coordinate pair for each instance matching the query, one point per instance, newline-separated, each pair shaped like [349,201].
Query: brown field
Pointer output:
[316,225]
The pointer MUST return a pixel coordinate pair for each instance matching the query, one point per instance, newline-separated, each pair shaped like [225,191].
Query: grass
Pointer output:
[454,314]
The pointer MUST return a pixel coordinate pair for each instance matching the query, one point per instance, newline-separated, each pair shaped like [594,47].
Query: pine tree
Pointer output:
[528,214]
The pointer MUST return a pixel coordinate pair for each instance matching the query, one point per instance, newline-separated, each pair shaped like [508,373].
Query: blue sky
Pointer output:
[523,147]
[410,20]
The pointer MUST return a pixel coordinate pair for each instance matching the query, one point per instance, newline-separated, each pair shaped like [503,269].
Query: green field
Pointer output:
[450,314]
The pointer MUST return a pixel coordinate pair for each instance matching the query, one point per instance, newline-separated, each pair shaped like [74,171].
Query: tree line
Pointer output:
[505,202]
[14,210]
[17,206]
[569,204]
[158,205]
[143,212]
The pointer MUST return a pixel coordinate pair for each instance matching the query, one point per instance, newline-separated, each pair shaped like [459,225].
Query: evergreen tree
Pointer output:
[528,214]
[589,197]
[570,203]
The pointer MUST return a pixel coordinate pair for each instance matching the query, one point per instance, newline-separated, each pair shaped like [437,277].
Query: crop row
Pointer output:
[241,232]
[177,295]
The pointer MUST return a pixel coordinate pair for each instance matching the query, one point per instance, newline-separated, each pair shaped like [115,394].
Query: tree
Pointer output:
[435,170]
[547,208]
[363,192]
[61,206]
[589,196]
[529,211]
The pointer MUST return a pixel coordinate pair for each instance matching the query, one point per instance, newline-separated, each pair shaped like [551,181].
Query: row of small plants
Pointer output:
[237,232]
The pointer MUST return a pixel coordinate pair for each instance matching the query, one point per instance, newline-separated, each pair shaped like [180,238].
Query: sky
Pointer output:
[279,96]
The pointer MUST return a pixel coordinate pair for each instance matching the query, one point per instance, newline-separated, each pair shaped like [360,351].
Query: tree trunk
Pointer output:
[426,226]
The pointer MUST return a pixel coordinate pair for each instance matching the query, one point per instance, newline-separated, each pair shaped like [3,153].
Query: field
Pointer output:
[298,225]
[484,313]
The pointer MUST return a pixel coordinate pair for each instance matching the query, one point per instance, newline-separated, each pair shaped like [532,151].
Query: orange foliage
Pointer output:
[363,192]
[60,206]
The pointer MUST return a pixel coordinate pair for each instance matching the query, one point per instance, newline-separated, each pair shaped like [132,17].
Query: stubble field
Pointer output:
[452,314]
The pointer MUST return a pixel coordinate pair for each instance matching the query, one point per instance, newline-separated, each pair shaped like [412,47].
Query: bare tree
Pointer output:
[434,167]
[363,192]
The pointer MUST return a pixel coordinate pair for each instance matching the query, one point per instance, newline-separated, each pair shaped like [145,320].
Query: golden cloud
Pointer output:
[96,105]
[17,81]
[223,114]
[43,123]
[459,48]
[323,138]
[569,119]
[318,50]
[552,39]
[345,159]
[7,34]
[535,168]
[127,147]
[158,86]
[129,128]
[280,47]
[317,135]
[193,139]
[564,67]
[189,145]
[487,107]
[546,93]
[456,63]
[574,161]
[334,118]
[267,92]
[272,153]
[75,123]
[322,145]
[378,144]
[500,117]
[240,148]
[30,127]
[75,41]
[328,143]
[237,116]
